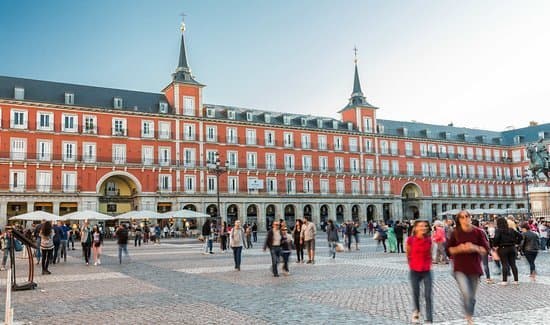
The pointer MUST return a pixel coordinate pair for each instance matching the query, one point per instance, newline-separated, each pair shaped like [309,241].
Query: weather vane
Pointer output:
[355,52]
[182,22]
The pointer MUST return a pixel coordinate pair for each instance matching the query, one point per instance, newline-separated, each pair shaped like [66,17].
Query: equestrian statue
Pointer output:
[539,160]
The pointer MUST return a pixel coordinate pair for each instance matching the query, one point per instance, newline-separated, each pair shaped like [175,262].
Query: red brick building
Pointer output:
[65,147]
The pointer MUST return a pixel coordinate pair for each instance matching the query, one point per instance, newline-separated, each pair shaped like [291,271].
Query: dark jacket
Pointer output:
[398,229]
[332,233]
[206,229]
[269,239]
[506,237]
[530,242]
[122,236]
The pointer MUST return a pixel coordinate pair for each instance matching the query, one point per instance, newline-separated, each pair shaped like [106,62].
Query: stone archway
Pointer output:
[371,212]
[290,215]
[340,214]
[269,215]
[411,195]
[323,215]
[252,214]
[191,207]
[308,210]
[118,192]
[232,214]
[355,209]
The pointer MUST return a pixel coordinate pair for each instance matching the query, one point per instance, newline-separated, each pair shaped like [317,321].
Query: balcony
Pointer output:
[119,132]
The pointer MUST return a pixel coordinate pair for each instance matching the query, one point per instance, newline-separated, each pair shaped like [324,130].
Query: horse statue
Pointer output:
[539,160]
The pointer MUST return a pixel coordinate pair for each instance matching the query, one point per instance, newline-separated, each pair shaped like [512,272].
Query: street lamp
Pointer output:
[527,179]
[216,168]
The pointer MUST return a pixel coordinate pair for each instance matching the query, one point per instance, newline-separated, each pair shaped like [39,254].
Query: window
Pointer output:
[384,147]
[69,151]
[433,169]
[464,190]
[367,124]
[410,168]
[386,188]
[69,98]
[516,156]
[89,152]
[18,179]
[339,164]
[270,161]
[269,138]
[444,189]
[289,139]
[322,142]
[250,136]
[423,150]
[232,159]
[443,169]
[232,135]
[43,181]
[249,116]
[117,102]
[251,160]
[289,162]
[211,134]
[470,153]
[211,157]
[489,172]
[370,187]
[286,120]
[119,127]
[271,185]
[338,143]
[369,166]
[308,186]
[119,153]
[453,171]
[147,155]
[353,145]
[70,123]
[460,152]
[306,141]
[393,148]
[491,190]
[267,118]
[189,132]
[354,165]
[163,107]
[324,186]
[518,191]
[480,171]
[231,115]
[488,155]
[148,129]
[233,184]
[189,157]
[188,105]
[44,150]
[189,184]
[472,171]
[165,183]
[435,189]
[368,145]
[320,124]
[90,124]
[385,167]
[164,130]
[323,164]
[482,190]
[454,189]
[44,121]
[395,167]
[335,125]
[211,184]
[18,149]
[306,163]
[290,186]
[210,112]
[355,187]
[19,119]
[19,93]
[340,187]
[69,182]
[496,155]
[164,156]
[473,190]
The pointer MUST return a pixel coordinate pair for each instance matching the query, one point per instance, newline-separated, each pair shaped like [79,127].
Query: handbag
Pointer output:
[339,247]
[376,236]
[18,245]
[494,255]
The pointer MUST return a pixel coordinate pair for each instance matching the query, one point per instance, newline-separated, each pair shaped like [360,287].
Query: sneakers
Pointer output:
[516,283]
[415,319]
[2,268]
[503,283]
[309,262]
[489,281]
[98,261]
[95,264]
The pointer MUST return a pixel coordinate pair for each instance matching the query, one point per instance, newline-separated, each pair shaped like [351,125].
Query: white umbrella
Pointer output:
[143,214]
[476,211]
[87,215]
[37,216]
[185,214]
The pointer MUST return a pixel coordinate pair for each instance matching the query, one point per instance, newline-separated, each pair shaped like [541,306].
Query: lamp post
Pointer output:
[216,168]
[527,178]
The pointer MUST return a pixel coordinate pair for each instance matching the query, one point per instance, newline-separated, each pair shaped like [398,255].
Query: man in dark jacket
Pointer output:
[122,241]
[273,241]
[206,234]
[398,229]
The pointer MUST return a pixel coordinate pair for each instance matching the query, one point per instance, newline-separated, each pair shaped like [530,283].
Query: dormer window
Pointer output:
[320,124]
[69,99]
[286,120]
[231,115]
[19,93]
[304,121]
[518,139]
[350,126]
[380,128]
[542,135]
[117,102]
[163,107]
[335,124]
[189,105]
[249,116]
[267,118]
[210,112]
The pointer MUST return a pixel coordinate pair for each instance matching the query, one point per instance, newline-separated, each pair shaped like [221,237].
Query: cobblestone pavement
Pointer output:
[173,283]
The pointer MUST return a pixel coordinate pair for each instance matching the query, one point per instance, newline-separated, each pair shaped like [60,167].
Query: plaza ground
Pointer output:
[173,283]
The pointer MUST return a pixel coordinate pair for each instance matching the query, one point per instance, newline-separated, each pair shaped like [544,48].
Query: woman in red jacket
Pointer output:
[419,255]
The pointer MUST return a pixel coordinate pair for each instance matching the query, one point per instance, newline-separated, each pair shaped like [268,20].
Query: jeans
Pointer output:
[255,236]
[71,241]
[400,245]
[46,258]
[467,284]
[5,257]
[207,245]
[275,254]
[86,250]
[416,278]
[531,256]
[508,258]
[63,252]
[38,254]
[237,256]
[55,251]
[485,261]
[122,247]
[299,251]
[440,255]
[137,240]
[286,257]
[543,243]
[332,246]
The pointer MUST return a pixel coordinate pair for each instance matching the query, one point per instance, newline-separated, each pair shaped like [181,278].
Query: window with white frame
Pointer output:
[90,124]
[117,102]
[473,190]
[479,153]
[189,105]
[340,187]
[367,125]
[369,166]
[395,167]
[451,151]
[386,188]
[480,171]
[289,162]
[432,150]
[306,163]
[368,145]
[384,147]
[410,168]
[324,186]
[69,182]
[44,150]
[270,161]
[507,174]
[233,184]
[425,169]
[18,180]
[19,93]
[210,112]
[18,149]
[462,171]
[43,181]
[251,136]
[323,164]
[232,159]
[444,187]
[491,190]
[482,190]
[517,173]
[89,152]
[463,190]
[354,165]
[516,155]
[249,116]
[267,118]
[252,186]
[70,123]
[454,189]
[69,151]
[370,188]
[489,172]
[148,129]
[339,164]
[271,185]
[308,186]
[408,148]
[19,119]
[211,133]
[147,155]
[322,142]
[231,114]
[460,152]
[338,144]
[385,165]
[435,189]
[470,153]
[189,132]
[288,139]
[211,184]
[496,155]
[119,127]
[488,156]
[269,137]
[164,156]
[472,171]
[251,160]
[211,157]
[287,119]
[164,130]
[290,186]
[518,191]
[165,183]
[453,172]
[355,187]
[306,141]
[353,147]
[119,154]
[69,98]
[498,173]
[232,136]
[189,157]
[442,151]
[189,184]
[44,121]
[423,150]
[393,148]
[443,169]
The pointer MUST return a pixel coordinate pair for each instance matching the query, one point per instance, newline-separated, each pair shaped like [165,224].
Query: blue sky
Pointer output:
[482,64]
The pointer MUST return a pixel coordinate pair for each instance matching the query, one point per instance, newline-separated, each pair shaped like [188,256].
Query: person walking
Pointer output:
[223,237]
[46,246]
[122,241]
[207,235]
[348,234]
[530,248]
[273,242]
[97,242]
[398,229]
[296,233]
[236,241]
[332,237]
[465,245]
[308,239]
[506,239]
[5,244]
[37,239]
[248,234]
[392,240]
[255,232]
[56,242]
[286,247]
[63,246]
[86,241]
[484,257]
[138,236]
[440,239]
[381,236]
[419,256]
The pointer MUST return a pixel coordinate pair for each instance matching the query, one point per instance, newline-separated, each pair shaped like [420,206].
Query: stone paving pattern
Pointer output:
[173,283]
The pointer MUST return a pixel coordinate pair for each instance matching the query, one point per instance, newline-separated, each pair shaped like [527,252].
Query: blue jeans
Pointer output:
[275,254]
[416,278]
[467,284]
[237,256]
[208,245]
[38,254]
[332,246]
[122,247]
[543,243]
[530,257]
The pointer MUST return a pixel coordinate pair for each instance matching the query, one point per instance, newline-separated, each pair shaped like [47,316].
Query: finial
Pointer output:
[355,52]
[182,26]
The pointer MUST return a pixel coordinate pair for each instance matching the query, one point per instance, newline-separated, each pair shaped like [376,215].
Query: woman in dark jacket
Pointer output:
[296,236]
[505,240]
[530,248]
[332,237]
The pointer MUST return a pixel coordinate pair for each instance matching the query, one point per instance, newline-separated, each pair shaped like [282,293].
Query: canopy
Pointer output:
[87,215]
[37,216]
[143,214]
[185,214]
[450,212]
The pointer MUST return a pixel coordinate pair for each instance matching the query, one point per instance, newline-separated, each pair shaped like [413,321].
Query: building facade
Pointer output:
[65,147]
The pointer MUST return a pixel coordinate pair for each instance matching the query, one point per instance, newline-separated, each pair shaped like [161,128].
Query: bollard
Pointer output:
[8,316]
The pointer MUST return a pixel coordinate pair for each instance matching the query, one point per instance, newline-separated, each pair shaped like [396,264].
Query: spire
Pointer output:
[357,98]
[183,72]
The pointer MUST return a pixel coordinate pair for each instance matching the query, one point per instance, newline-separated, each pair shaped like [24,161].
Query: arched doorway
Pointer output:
[371,212]
[340,214]
[212,210]
[232,214]
[323,215]
[411,200]
[191,207]
[118,193]
[307,210]
[386,212]
[355,213]
[269,216]
[252,214]
[290,216]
